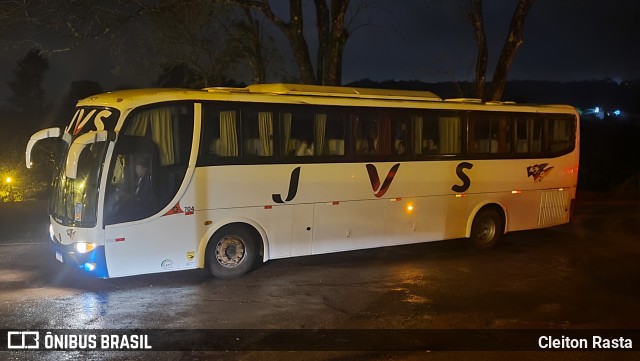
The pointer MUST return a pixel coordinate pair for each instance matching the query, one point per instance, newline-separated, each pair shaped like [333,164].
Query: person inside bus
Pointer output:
[143,181]
[430,147]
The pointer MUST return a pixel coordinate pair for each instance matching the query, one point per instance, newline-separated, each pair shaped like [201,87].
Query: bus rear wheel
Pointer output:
[232,252]
[487,229]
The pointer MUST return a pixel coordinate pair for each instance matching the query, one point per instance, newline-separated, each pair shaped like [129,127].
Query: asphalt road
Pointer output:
[583,275]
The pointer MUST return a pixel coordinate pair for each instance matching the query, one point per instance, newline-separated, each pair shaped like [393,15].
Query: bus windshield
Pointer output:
[74,201]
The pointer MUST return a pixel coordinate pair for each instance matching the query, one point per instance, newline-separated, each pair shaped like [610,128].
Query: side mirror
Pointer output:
[39,135]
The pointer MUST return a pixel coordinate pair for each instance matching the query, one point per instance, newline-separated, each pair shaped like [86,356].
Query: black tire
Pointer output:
[232,251]
[487,229]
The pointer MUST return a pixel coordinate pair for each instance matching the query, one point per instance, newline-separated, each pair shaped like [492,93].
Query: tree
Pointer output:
[249,39]
[208,39]
[509,49]
[332,35]
[178,76]
[477,21]
[28,95]
[25,105]
[10,15]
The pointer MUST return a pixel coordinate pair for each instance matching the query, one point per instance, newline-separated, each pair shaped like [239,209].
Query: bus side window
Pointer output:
[436,133]
[528,135]
[366,133]
[311,133]
[398,134]
[257,135]
[297,133]
[220,132]
[334,133]
[489,133]
[449,134]
[560,133]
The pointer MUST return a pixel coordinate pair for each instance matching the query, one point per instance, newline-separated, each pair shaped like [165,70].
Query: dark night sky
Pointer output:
[431,41]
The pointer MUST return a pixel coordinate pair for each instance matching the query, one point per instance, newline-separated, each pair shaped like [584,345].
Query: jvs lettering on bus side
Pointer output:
[466,181]
[379,189]
[293,188]
[80,120]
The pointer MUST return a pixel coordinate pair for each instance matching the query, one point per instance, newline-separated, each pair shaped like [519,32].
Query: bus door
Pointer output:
[148,211]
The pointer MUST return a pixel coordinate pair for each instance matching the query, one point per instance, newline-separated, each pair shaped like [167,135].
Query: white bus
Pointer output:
[225,178]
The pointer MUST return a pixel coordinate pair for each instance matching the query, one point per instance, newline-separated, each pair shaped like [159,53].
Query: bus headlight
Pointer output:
[84,247]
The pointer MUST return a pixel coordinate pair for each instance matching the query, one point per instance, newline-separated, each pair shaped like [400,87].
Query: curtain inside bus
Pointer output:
[228,134]
[449,135]
[265,130]
[320,126]
[159,121]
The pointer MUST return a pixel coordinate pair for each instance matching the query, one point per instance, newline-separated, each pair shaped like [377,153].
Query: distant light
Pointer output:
[8,180]
[596,110]
[617,112]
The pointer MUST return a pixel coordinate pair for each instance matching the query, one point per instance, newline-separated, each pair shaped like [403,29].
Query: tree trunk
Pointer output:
[332,37]
[514,40]
[294,31]
[334,49]
[477,21]
[322,26]
[257,60]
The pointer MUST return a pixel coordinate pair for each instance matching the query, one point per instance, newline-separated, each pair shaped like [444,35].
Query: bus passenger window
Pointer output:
[528,134]
[560,133]
[297,133]
[399,137]
[258,134]
[311,133]
[436,132]
[220,132]
[332,134]
[489,133]
[449,135]
[484,136]
[366,133]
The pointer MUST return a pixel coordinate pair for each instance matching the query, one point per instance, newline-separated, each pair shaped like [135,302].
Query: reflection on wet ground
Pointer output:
[581,275]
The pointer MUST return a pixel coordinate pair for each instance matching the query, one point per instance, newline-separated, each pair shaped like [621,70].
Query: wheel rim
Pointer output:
[230,251]
[486,230]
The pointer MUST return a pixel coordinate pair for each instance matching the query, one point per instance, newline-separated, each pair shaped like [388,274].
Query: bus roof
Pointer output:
[332,91]
[291,93]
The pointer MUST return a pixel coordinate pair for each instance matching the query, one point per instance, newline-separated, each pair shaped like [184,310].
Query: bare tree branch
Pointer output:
[477,21]
[513,42]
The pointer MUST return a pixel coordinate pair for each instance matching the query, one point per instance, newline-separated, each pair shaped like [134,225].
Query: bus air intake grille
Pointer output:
[554,208]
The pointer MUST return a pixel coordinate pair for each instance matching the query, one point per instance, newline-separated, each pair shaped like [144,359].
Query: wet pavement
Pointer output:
[584,275]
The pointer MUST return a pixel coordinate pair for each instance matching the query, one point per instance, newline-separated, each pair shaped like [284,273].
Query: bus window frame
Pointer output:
[345,113]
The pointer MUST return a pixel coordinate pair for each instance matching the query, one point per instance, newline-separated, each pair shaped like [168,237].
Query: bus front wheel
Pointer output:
[486,229]
[232,252]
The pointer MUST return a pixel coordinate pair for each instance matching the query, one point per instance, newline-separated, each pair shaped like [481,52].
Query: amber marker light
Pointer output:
[409,208]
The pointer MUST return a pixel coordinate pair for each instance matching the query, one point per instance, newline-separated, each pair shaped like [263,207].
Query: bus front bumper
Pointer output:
[92,263]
